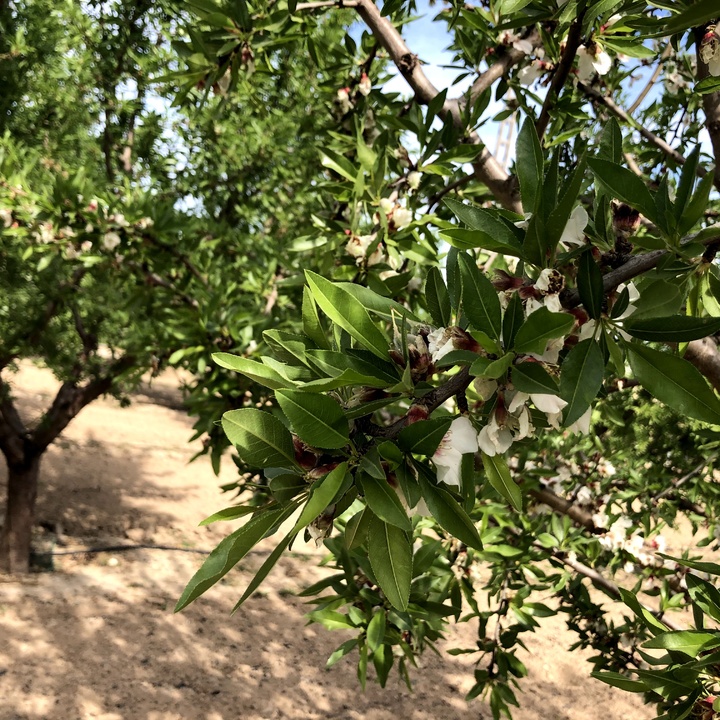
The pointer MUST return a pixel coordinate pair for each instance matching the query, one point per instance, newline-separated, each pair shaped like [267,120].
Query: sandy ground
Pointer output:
[97,638]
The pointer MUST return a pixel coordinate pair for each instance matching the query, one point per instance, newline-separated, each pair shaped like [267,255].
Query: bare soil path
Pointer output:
[97,638]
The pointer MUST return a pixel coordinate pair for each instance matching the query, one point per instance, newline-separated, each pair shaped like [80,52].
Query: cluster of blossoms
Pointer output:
[343,97]
[109,228]
[621,536]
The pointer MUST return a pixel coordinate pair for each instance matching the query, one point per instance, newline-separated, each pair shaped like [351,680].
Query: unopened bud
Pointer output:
[416,413]
[504,281]
[626,219]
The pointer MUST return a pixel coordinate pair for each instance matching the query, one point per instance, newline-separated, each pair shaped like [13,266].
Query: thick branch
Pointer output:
[653,139]
[636,265]
[704,355]
[12,428]
[565,507]
[71,399]
[561,73]
[325,4]
[488,170]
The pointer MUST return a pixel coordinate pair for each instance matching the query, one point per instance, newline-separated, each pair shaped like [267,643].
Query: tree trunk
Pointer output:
[16,532]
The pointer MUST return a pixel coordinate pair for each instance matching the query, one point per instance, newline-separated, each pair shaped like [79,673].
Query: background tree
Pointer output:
[132,233]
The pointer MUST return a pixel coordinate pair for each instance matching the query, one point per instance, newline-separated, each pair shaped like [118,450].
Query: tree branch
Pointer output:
[636,265]
[711,105]
[561,73]
[667,52]
[704,355]
[653,139]
[71,399]
[325,4]
[488,170]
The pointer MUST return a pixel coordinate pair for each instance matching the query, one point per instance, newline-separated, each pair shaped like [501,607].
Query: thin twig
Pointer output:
[651,82]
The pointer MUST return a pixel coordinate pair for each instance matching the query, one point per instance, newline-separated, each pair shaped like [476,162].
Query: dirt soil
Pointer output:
[97,638]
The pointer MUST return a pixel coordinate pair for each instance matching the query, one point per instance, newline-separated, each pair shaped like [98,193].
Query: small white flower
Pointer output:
[710,53]
[414,283]
[386,205]
[86,245]
[600,519]
[358,245]
[584,496]
[629,567]
[582,424]
[110,241]
[495,439]
[531,72]
[440,343]
[507,37]
[145,223]
[402,217]
[119,220]
[413,179]
[613,19]
[590,63]
[6,217]
[89,228]
[674,81]
[574,232]
[552,351]
[343,100]
[460,439]
[365,85]
[633,297]
[71,252]
[552,303]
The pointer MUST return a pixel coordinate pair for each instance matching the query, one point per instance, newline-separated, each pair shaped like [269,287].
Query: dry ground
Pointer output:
[97,638]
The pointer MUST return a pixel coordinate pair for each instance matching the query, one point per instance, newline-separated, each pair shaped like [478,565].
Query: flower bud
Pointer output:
[626,219]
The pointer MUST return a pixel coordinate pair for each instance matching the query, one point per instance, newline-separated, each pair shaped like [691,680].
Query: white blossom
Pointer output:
[413,179]
[590,62]
[495,439]
[145,223]
[386,205]
[343,100]
[6,216]
[365,85]
[46,234]
[86,245]
[461,438]
[507,37]
[119,220]
[402,217]
[574,232]
[584,496]
[710,53]
[582,424]
[440,343]
[531,72]
[110,241]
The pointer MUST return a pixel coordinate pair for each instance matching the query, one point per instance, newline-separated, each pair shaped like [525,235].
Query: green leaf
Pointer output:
[390,555]
[376,630]
[231,513]
[383,501]
[437,298]
[312,326]
[687,181]
[693,16]
[590,285]
[448,512]
[493,369]
[581,379]
[229,552]
[611,142]
[265,569]
[322,494]
[347,647]
[708,85]
[625,185]
[529,165]
[541,326]
[689,642]
[513,318]
[657,299]
[532,378]
[256,371]
[471,239]
[676,328]
[261,439]
[675,382]
[317,419]
[424,436]
[286,486]
[499,477]
[620,681]
[348,312]
[481,304]
[356,529]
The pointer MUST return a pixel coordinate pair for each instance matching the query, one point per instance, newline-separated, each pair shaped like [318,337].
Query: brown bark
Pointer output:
[704,355]
[16,532]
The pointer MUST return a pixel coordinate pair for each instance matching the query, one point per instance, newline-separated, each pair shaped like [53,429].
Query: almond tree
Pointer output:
[472,344]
